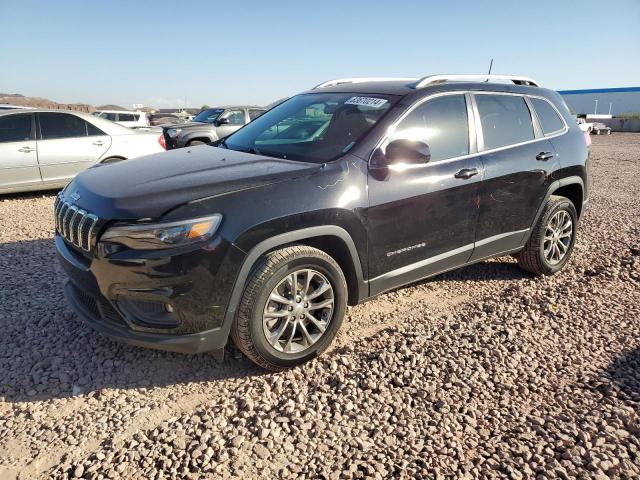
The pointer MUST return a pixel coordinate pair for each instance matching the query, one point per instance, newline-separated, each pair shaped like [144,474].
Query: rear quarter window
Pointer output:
[505,120]
[550,121]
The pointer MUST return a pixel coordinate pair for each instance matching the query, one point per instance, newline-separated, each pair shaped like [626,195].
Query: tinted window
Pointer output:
[125,117]
[505,120]
[208,116]
[109,116]
[323,126]
[15,128]
[547,116]
[61,125]
[236,117]
[441,123]
[253,114]
[92,130]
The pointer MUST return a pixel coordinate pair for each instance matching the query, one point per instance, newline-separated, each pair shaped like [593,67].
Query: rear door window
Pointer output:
[15,128]
[505,120]
[550,121]
[125,117]
[61,125]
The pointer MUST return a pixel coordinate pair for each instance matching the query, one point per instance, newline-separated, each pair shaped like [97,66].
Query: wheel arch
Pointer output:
[199,139]
[112,158]
[331,239]
[574,192]
[203,136]
[570,187]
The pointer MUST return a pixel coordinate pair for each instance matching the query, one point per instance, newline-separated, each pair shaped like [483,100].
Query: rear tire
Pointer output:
[552,239]
[273,325]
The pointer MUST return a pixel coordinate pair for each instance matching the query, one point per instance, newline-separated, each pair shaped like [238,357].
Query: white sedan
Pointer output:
[45,149]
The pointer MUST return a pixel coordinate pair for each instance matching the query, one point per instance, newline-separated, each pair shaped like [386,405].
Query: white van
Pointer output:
[124,118]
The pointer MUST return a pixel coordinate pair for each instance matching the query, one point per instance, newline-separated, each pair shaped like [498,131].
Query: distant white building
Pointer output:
[604,101]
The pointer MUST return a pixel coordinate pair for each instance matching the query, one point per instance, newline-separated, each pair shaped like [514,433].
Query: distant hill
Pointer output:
[110,107]
[18,99]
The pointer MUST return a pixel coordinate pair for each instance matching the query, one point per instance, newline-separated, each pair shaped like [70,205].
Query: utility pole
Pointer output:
[595,111]
[610,105]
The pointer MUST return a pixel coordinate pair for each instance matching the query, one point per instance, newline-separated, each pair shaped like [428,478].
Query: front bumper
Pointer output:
[196,283]
[98,317]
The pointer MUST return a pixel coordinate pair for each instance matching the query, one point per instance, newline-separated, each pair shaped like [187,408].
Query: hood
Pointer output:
[190,125]
[148,187]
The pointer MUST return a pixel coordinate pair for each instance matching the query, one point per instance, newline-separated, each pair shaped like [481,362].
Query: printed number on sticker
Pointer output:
[366,101]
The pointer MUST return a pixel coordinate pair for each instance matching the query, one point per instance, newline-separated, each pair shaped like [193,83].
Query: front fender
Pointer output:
[288,238]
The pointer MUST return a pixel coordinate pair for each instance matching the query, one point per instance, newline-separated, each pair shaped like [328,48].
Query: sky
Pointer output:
[177,53]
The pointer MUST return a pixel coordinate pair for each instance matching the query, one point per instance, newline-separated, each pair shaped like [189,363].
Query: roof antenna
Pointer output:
[490,67]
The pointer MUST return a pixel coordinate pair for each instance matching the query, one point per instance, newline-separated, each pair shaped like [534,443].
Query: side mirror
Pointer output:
[222,121]
[407,151]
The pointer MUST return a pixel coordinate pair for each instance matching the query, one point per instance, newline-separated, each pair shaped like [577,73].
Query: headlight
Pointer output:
[164,235]
[173,132]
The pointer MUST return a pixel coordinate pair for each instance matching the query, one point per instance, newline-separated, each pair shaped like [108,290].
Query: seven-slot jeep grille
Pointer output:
[75,225]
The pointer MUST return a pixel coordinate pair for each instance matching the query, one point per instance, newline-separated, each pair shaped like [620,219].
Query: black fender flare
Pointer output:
[285,239]
[573,180]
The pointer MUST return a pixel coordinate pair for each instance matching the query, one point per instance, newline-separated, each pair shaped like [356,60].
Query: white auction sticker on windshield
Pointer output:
[366,101]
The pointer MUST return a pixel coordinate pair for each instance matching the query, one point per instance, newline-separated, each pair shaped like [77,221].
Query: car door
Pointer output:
[517,162]
[422,217]
[67,145]
[18,151]
[236,117]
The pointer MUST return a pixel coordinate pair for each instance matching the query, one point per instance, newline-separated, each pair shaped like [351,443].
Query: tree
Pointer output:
[204,107]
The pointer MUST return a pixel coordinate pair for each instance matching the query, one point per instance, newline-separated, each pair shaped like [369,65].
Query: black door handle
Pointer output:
[466,173]
[544,156]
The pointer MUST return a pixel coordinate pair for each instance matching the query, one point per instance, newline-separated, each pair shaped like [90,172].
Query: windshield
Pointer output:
[311,127]
[209,115]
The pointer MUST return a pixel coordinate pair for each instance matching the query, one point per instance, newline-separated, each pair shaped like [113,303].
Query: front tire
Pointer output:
[292,307]
[552,239]
[194,143]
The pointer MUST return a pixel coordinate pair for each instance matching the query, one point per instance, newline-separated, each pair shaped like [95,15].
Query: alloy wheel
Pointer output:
[298,311]
[557,237]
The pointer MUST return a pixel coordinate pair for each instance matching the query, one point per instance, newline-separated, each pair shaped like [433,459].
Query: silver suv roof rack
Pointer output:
[338,81]
[435,79]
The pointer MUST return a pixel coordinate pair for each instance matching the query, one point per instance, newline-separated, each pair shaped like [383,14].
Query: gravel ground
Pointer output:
[482,372]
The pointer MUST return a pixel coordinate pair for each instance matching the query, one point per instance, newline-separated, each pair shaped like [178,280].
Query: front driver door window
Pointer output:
[67,145]
[236,120]
[430,204]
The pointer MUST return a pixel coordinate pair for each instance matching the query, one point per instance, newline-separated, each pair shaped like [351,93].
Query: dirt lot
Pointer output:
[481,372]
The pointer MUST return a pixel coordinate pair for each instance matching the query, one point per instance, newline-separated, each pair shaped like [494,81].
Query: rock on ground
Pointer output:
[482,372]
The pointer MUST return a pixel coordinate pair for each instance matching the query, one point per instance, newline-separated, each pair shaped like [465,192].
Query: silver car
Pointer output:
[43,149]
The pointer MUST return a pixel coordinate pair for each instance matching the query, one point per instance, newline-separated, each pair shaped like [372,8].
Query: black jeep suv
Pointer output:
[338,194]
